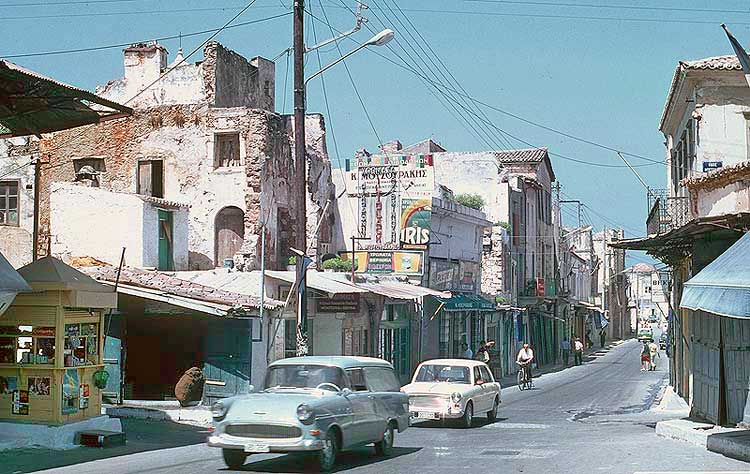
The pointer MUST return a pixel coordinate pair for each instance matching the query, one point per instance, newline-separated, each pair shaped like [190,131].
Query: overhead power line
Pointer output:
[610,7]
[126,13]
[46,4]
[124,45]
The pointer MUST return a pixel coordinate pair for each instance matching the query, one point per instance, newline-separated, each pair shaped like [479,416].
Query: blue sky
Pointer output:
[558,65]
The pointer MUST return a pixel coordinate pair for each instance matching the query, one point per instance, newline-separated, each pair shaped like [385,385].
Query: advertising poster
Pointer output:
[8,385]
[70,391]
[401,262]
[392,195]
[442,274]
[39,386]
[20,402]
[83,400]
[468,277]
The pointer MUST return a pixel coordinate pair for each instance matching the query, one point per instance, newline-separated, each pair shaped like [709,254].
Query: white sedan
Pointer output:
[453,389]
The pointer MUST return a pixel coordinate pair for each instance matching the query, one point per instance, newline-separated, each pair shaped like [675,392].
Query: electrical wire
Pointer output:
[615,7]
[125,45]
[439,85]
[46,4]
[124,13]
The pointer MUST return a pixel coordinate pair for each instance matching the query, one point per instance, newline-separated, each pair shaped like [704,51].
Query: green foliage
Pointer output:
[338,264]
[474,201]
[292,260]
[503,224]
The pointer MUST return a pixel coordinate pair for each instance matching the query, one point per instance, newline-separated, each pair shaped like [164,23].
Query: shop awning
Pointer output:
[32,104]
[723,286]
[401,291]
[321,281]
[10,279]
[467,302]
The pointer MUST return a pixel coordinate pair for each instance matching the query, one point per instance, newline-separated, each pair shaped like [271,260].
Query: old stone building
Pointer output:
[17,199]
[190,179]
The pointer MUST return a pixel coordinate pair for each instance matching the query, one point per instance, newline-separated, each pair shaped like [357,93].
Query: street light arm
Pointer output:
[329,66]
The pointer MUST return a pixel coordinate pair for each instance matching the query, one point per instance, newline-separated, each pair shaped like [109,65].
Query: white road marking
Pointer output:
[515,426]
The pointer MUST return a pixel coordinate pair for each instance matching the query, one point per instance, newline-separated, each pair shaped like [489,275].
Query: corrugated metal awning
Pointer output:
[723,286]
[320,281]
[401,291]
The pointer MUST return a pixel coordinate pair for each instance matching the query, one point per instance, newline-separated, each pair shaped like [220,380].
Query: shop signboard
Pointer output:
[393,196]
[442,274]
[402,262]
[342,303]
[468,276]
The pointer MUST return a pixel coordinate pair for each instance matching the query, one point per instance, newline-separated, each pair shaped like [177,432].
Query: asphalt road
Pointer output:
[587,419]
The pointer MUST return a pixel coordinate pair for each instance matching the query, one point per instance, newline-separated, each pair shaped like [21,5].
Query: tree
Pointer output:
[474,201]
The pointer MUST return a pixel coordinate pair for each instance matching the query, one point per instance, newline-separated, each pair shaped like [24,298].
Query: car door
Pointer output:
[481,399]
[390,402]
[364,423]
[490,386]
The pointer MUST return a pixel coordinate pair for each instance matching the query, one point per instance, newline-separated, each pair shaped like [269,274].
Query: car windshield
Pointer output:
[304,376]
[443,373]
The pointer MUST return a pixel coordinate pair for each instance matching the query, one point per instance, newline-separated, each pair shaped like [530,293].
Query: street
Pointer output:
[593,418]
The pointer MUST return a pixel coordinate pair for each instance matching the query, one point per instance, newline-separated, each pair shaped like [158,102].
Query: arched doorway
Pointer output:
[229,233]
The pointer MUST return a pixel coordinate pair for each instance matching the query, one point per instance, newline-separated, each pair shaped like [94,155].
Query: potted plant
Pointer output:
[291,263]
[337,264]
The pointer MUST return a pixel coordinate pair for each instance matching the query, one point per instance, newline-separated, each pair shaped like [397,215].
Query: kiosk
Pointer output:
[51,345]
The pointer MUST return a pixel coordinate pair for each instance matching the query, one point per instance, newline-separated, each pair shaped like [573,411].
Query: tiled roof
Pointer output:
[166,283]
[720,177]
[721,63]
[531,155]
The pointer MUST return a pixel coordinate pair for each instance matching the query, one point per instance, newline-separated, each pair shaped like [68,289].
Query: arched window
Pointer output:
[229,233]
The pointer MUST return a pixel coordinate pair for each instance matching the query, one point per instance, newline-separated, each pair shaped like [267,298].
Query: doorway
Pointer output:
[229,233]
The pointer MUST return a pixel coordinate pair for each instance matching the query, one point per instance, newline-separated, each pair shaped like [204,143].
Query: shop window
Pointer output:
[81,344]
[8,202]
[27,345]
[227,150]
[151,178]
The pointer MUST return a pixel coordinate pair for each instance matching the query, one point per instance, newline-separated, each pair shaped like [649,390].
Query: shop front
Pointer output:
[51,363]
[463,323]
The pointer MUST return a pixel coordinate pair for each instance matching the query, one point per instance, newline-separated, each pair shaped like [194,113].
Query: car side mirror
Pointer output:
[345,392]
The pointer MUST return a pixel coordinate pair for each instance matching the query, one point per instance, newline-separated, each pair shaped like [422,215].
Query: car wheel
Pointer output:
[492,414]
[468,419]
[234,458]
[384,446]
[327,455]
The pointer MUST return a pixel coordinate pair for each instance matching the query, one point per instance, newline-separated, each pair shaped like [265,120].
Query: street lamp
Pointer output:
[379,39]
[300,160]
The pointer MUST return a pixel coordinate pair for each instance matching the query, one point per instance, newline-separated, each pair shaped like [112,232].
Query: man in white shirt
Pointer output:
[468,353]
[578,352]
[524,358]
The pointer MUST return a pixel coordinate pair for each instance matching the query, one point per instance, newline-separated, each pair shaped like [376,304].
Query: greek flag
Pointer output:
[740,52]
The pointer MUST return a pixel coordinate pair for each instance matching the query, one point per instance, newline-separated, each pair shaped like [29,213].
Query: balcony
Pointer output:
[666,212]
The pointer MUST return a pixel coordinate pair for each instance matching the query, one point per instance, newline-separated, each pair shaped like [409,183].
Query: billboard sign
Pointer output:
[393,197]
[384,262]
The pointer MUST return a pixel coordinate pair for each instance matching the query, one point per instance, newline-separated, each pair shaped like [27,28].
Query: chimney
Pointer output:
[391,146]
[144,62]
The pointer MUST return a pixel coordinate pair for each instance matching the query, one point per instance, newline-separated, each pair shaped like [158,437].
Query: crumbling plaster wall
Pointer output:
[16,241]
[183,137]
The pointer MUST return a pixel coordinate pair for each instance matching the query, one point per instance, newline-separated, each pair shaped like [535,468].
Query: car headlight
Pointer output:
[456,397]
[305,414]
[218,410]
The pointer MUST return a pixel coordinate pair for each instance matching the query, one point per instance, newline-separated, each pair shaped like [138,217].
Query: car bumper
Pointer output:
[274,445]
[442,414]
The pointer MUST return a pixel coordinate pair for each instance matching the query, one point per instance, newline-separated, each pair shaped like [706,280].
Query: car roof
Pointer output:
[344,362]
[461,362]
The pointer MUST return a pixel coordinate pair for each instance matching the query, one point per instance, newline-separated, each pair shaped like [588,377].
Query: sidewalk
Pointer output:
[588,355]
[731,442]
[198,415]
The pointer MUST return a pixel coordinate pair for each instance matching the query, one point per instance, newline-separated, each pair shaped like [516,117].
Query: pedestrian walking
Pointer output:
[565,346]
[578,352]
[589,342]
[468,353]
[653,350]
[483,353]
[645,357]
[602,337]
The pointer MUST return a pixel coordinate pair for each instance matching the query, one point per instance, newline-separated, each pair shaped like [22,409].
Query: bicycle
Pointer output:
[524,381]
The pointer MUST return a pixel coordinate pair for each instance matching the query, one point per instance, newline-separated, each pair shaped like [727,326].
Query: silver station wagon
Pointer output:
[319,405]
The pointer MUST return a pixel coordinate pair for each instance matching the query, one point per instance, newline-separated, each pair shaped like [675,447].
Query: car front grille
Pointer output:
[423,402]
[254,430]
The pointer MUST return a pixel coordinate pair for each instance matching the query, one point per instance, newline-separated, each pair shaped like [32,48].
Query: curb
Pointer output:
[197,417]
[733,444]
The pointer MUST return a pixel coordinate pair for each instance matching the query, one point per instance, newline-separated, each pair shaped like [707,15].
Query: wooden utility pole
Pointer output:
[300,162]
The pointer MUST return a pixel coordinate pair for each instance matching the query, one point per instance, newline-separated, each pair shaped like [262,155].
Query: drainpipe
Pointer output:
[37,179]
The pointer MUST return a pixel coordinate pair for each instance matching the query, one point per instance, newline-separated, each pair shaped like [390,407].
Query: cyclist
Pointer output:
[524,358]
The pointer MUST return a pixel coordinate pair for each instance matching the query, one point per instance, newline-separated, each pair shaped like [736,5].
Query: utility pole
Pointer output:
[300,160]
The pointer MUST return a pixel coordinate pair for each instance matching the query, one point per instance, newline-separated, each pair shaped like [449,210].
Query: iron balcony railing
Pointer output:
[666,212]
